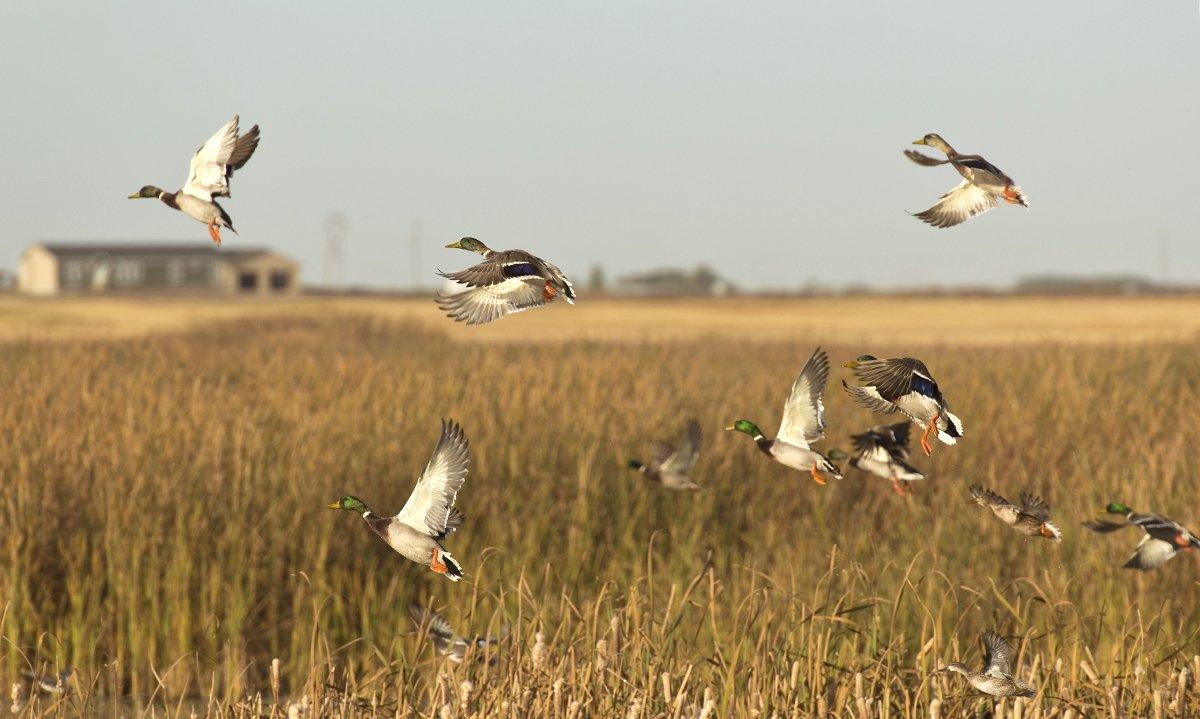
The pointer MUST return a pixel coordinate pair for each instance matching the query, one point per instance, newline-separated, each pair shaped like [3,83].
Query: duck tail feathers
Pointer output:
[1014,196]
[954,429]
[830,468]
[454,570]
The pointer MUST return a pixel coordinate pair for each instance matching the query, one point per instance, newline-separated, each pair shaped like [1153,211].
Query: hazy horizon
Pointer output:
[764,142]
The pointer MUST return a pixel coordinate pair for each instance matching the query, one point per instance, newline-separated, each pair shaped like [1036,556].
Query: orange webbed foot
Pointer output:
[929,429]
[436,563]
[215,233]
[817,476]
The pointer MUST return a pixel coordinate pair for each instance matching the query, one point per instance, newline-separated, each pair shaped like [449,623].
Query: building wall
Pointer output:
[53,270]
[38,274]
[99,272]
[262,274]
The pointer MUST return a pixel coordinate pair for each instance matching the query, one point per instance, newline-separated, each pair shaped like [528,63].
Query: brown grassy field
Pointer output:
[910,321]
[164,529]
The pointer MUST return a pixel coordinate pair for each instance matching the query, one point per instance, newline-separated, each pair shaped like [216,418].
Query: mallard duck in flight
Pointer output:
[996,679]
[429,515]
[507,281]
[46,683]
[445,640]
[1164,537]
[208,177]
[905,384]
[803,423]
[1031,517]
[982,188]
[670,466]
[883,451]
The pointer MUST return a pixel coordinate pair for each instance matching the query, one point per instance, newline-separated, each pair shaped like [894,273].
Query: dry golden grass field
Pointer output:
[166,467]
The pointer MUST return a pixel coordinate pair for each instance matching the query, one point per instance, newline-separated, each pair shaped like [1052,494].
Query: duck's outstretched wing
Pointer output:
[869,397]
[898,376]
[453,522]
[977,163]
[889,439]
[1157,526]
[439,628]
[997,659]
[1103,527]
[499,267]
[959,205]
[1001,507]
[923,159]
[214,163]
[430,507]
[804,413]
[870,443]
[487,303]
[896,434]
[1035,507]
[684,457]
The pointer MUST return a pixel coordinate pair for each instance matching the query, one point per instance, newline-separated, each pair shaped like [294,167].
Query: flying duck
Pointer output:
[208,177]
[506,282]
[996,679]
[445,640]
[670,466]
[48,683]
[982,188]
[803,423]
[1031,517]
[905,384]
[1164,538]
[429,515]
[883,451]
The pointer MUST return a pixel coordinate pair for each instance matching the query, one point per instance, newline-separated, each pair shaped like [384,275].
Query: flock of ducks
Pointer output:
[902,384]
[510,281]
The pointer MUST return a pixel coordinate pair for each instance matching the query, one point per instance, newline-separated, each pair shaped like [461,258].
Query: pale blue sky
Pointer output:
[761,138]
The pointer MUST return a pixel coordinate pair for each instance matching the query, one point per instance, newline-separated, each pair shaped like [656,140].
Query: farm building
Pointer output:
[65,268]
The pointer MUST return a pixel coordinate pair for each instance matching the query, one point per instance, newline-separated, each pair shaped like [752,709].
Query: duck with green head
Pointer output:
[1163,539]
[208,176]
[429,516]
[803,424]
[905,384]
[506,282]
[983,187]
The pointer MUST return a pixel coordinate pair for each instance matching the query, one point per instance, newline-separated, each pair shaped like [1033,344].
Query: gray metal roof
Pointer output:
[178,249]
[151,249]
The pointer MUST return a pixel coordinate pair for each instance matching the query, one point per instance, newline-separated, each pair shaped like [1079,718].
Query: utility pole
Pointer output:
[1164,263]
[333,271]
